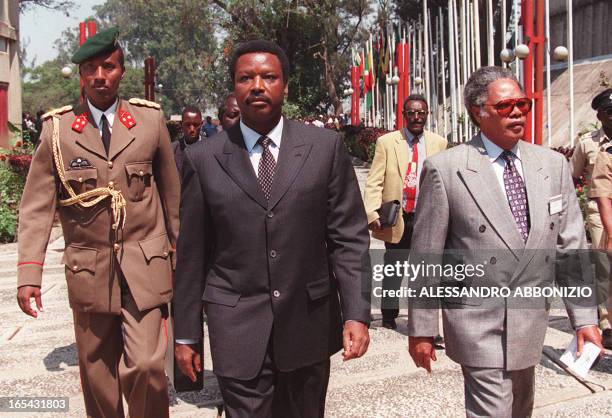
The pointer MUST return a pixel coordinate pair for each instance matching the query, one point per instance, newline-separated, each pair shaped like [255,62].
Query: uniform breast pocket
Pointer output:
[139,176]
[82,180]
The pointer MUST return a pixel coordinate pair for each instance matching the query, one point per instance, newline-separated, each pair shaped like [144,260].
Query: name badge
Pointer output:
[555,204]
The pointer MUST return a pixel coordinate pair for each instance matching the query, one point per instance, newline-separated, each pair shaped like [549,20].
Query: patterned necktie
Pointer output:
[410,180]
[516,193]
[267,164]
[106,133]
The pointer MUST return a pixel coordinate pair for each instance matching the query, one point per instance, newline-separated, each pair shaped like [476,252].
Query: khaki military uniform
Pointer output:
[601,186]
[119,280]
[582,163]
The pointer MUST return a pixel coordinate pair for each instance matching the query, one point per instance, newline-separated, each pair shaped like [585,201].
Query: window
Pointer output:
[3,44]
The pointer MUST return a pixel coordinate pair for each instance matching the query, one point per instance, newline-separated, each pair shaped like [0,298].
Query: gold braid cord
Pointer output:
[91,197]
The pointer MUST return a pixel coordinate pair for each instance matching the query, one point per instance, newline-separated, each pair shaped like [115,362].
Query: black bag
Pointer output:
[388,213]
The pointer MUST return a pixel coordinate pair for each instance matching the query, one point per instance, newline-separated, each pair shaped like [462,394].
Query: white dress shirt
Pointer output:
[255,150]
[494,151]
[109,113]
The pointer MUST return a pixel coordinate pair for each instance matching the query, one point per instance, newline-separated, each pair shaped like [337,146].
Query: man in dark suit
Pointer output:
[191,123]
[272,243]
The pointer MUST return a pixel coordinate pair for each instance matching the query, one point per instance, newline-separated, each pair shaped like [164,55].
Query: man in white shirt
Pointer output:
[507,205]
[273,236]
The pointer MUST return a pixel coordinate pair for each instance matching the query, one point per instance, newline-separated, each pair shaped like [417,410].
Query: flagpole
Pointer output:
[442,70]
[503,28]
[570,66]
[452,71]
[548,93]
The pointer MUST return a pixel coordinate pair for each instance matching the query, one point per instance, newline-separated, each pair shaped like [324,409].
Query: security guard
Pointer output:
[582,163]
[107,167]
[601,188]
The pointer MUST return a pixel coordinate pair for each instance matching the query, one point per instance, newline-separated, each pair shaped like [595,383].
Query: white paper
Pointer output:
[555,204]
[580,365]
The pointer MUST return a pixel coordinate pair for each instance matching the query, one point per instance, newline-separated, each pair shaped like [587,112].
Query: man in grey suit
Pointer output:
[272,242]
[497,195]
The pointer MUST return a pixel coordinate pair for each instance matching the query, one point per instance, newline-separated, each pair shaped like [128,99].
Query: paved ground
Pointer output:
[38,358]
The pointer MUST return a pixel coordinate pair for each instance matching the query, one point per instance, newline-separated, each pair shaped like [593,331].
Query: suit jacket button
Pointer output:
[110,164]
[270,214]
[493,260]
[80,179]
[141,173]
[273,254]
[276,294]
[482,228]
[165,253]
[116,247]
[111,184]
[552,225]
[75,267]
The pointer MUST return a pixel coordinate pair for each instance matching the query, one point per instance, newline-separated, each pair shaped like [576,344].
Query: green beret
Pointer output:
[102,41]
[602,100]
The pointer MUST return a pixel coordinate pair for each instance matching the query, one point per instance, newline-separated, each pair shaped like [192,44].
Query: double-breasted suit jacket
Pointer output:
[282,273]
[140,164]
[462,207]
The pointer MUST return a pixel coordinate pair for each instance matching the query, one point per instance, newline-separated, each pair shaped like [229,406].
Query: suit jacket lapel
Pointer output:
[534,178]
[90,138]
[401,154]
[291,158]
[481,181]
[121,136]
[236,163]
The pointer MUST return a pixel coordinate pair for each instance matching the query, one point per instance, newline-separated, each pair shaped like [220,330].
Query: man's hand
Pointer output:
[24,294]
[188,360]
[422,351]
[355,338]
[375,225]
[590,333]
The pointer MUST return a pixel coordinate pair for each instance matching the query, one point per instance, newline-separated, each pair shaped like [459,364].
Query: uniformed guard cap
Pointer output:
[602,100]
[102,41]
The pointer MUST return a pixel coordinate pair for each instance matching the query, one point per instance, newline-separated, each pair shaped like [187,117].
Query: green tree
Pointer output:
[315,34]
[179,34]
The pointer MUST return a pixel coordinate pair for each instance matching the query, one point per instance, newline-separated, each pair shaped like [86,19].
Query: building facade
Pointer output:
[10,78]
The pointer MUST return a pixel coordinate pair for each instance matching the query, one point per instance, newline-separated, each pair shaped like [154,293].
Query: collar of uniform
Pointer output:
[494,150]
[410,136]
[109,113]
[251,137]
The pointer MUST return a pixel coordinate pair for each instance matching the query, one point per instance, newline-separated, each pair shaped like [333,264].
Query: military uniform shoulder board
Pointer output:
[142,102]
[57,111]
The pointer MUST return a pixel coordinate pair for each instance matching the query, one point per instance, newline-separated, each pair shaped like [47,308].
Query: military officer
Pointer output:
[582,163]
[601,188]
[107,167]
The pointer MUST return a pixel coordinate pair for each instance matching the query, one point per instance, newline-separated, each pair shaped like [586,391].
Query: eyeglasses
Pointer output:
[505,107]
[607,111]
[411,113]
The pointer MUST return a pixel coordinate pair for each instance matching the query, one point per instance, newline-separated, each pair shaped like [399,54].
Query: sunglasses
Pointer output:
[505,107]
[607,111]
[411,113]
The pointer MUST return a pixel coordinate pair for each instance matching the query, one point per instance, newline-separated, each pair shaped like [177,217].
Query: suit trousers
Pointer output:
[123,354]
[498,393]
[296,394]
[396,252]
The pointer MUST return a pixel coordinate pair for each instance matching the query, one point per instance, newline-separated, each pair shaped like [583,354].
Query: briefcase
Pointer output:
[177,378]
[388,213]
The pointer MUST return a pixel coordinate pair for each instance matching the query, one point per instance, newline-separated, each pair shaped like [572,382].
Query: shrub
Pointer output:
[11,188]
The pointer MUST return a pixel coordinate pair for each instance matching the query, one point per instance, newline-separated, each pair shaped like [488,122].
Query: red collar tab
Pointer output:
[79,123]
[127,119]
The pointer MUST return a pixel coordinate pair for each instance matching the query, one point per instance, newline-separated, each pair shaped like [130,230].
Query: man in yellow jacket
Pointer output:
[394,175]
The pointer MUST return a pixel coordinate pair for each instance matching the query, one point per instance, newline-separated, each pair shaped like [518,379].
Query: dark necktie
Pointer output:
[267,164]
[517,194]
[106,133]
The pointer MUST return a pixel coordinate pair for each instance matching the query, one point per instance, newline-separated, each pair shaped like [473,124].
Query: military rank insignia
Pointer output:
[79,123]
[127,119]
